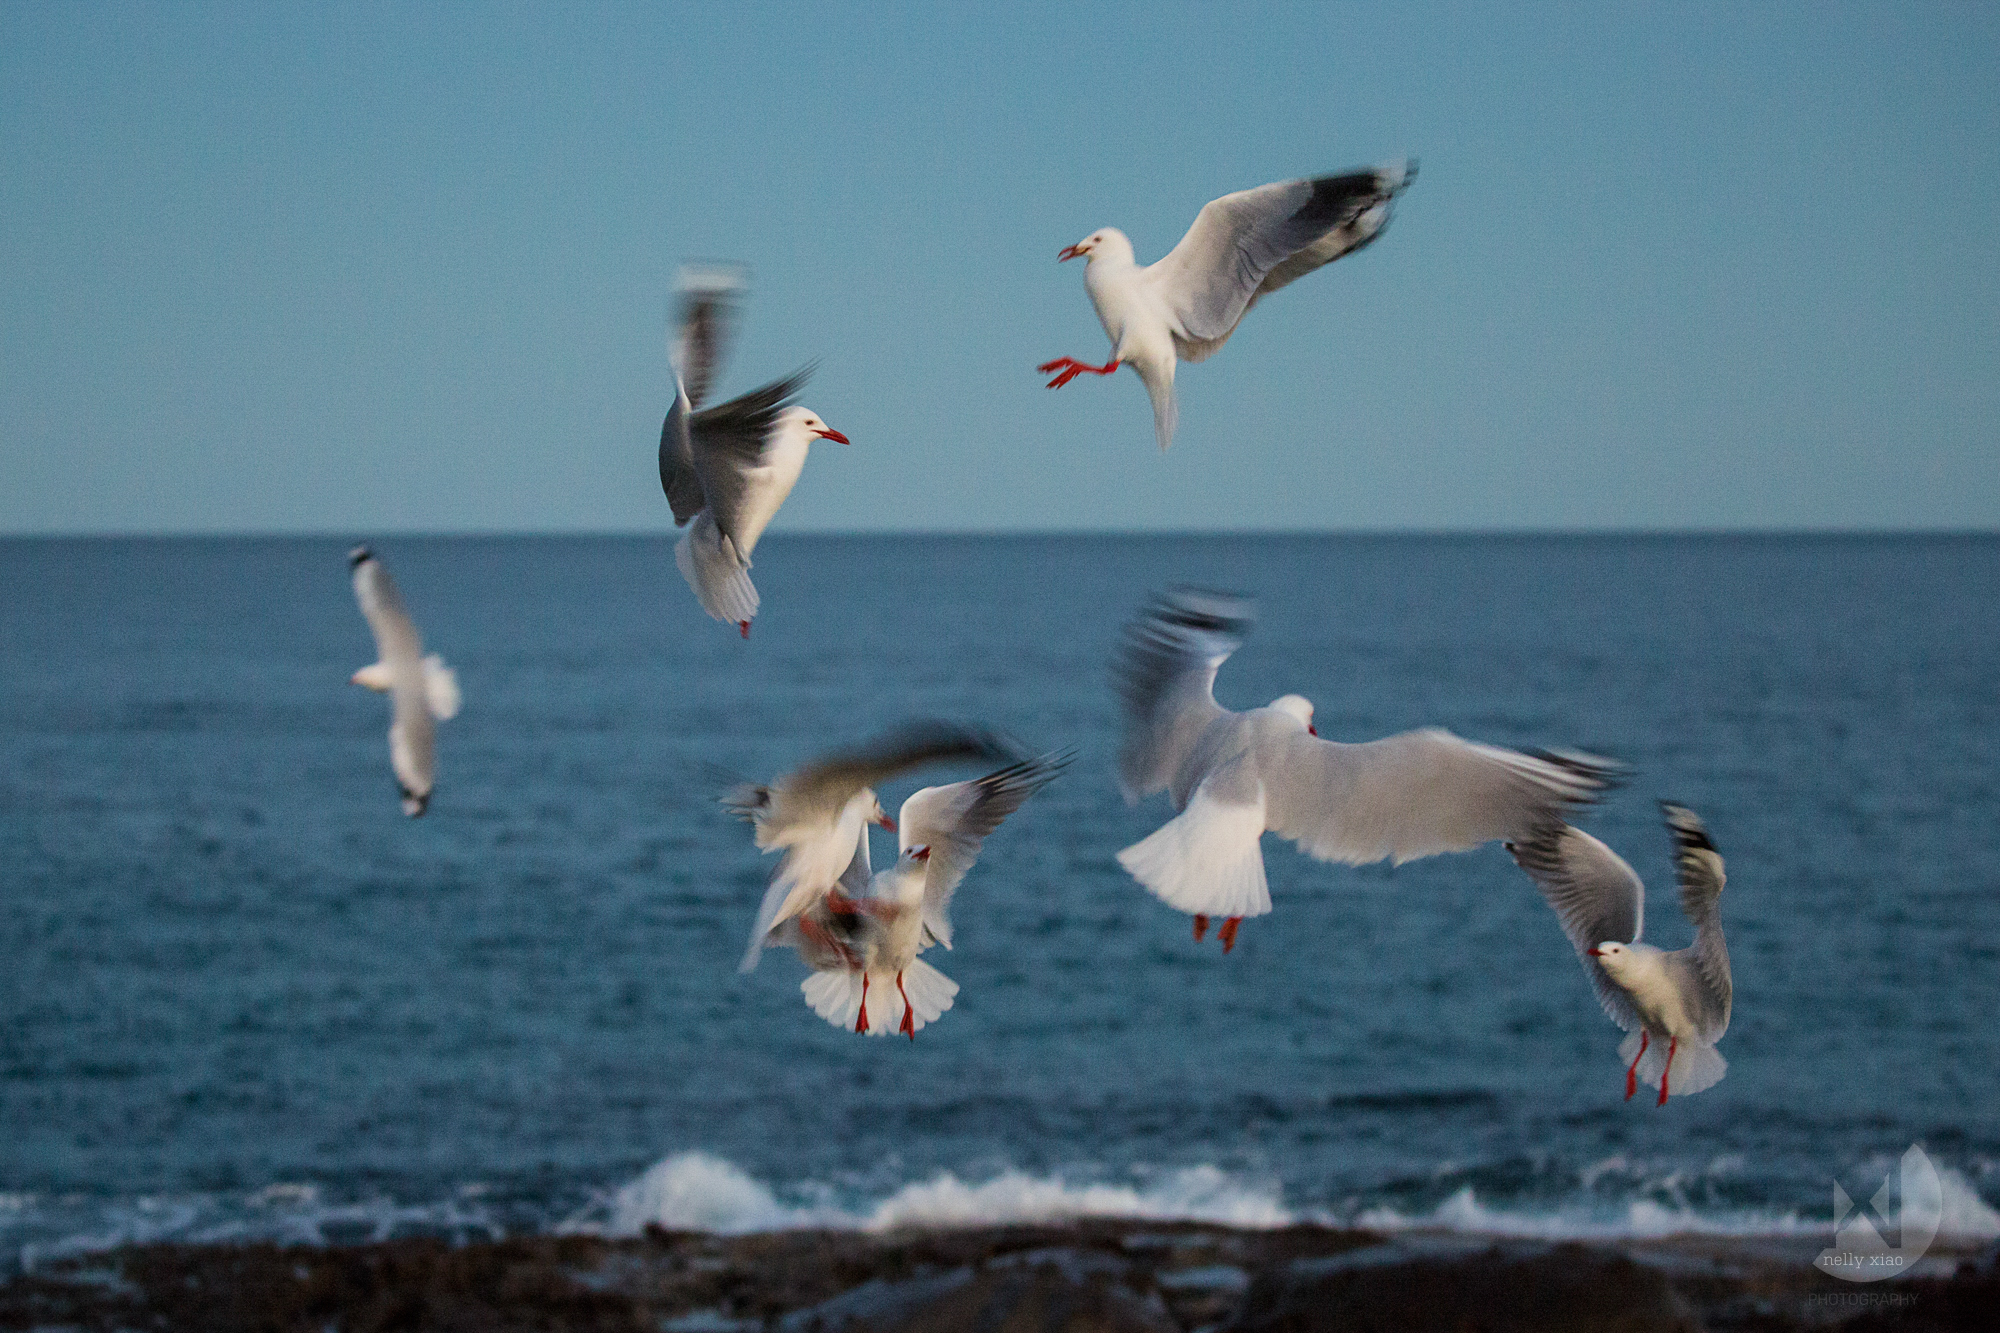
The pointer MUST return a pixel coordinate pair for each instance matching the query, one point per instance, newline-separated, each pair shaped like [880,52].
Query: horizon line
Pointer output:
[434,534]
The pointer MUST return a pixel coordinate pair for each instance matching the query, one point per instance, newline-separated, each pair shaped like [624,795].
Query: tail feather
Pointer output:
[1698,1066]
[931,992]
[711,566]
[1166,407]
[836,996]
[1209,859]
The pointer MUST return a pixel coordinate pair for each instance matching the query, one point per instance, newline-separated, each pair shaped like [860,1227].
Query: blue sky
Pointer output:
[366,269]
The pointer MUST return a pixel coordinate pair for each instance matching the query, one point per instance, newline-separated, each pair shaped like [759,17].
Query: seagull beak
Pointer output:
[1595,953]
[887,823]
[1311,730]
[831,434]
[1069,252]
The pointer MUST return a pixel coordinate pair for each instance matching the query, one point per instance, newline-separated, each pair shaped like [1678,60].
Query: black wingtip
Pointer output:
[1212,609]
[357,555]
[1688,830]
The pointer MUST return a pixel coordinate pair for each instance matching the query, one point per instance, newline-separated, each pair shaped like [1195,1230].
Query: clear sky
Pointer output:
[364,269]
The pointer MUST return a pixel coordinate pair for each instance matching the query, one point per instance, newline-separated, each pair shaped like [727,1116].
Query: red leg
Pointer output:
[861,1019]
[1673,1043]
[744,625]
[1632,1074]
[1071,368]
[1200,927]
[909,1028]
[1228,933]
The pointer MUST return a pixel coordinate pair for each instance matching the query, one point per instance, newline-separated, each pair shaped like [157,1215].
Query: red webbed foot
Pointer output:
[1200,927]
[1673,1044]
[861,1019]
[1071,368]
[744,625]
[909,1027]
[1228,933]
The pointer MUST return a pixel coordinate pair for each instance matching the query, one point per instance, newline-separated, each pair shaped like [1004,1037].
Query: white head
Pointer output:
[1615,957]
[1107,242]
[1299,707]
[807,421]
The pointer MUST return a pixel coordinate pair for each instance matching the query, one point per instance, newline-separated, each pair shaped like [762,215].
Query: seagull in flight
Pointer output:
[422,690]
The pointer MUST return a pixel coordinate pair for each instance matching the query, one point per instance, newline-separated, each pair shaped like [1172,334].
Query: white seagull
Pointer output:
[1233,776]
[423,689]
[865,935]
[1681,998]
[1241,247]
[727,468]
[815,814]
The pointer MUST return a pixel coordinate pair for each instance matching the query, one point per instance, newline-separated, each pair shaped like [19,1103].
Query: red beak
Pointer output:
[1069,252]
[888,823]
[1595,953]
[1311,730]
[831,434]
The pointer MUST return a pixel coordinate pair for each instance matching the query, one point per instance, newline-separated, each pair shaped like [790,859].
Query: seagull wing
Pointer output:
[953,821]
[820,789]
[709,298]
[1415,794]
[1254,241]
[396,639]
[1165,676]
[727,445]
[1699,868]
[1596,896]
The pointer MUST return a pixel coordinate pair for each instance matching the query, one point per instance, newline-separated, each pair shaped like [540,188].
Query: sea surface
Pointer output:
[242,995]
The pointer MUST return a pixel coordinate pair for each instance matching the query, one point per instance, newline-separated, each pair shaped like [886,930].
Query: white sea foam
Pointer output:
[696,1191]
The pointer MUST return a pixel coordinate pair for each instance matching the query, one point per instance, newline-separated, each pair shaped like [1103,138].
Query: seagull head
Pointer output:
[919,853]
[1613,955]
[877,815]
[1107,241]
[1299,707]
[804,419]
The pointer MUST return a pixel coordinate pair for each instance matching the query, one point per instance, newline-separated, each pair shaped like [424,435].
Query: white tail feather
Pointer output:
[1209,859]
[441,688]
[721,581]
[1698,1066]
[836,997]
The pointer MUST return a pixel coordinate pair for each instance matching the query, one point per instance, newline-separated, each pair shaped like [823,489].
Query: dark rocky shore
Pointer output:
[1087,1277]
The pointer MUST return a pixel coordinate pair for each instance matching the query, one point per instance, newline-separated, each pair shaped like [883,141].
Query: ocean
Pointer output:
[242,996]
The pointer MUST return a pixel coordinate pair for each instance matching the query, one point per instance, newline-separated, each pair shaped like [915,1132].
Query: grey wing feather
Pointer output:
[953,821]
[709,298]
[677,475]
[1164,672]
[1698,866]
[1240,241]
[395,633]
[827,784]
[1416,794]
[1596,897]
[727,440]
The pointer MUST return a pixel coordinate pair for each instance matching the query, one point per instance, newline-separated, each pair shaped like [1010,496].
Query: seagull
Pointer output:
[815,813]
[867,932]
[1233,776]
[1241,247]
[423,689]
[1680,998]
[727,469]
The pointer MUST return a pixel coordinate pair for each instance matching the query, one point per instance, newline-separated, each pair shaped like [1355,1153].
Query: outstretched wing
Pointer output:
[727,441]
[953,821]
[1241,242]
[1699,868]
[677,475]
[710,295]
[397,642]
[821,788]
[1165,675]
[1416,794]
[1596,896]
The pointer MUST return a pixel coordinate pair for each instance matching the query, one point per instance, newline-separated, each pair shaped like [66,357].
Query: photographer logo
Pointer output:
[1887,1234]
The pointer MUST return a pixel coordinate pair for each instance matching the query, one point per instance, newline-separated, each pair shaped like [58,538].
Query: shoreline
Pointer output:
[1113,1275]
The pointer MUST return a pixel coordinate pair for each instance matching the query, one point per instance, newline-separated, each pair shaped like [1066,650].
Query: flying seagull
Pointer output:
[1234,776]
[423,690]
[1241,247]
[726,469]
[1679,999]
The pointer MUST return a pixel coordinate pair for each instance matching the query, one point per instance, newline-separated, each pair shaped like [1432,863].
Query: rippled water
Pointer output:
[242,994]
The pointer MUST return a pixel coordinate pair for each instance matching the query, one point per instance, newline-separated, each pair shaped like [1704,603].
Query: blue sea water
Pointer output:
[241,994]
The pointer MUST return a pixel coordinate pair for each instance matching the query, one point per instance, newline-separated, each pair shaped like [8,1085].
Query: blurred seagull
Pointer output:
[1681,998]
[815,814]
[864,936]
[727,468]
[1241,247]
[423,689]
[1233,776]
